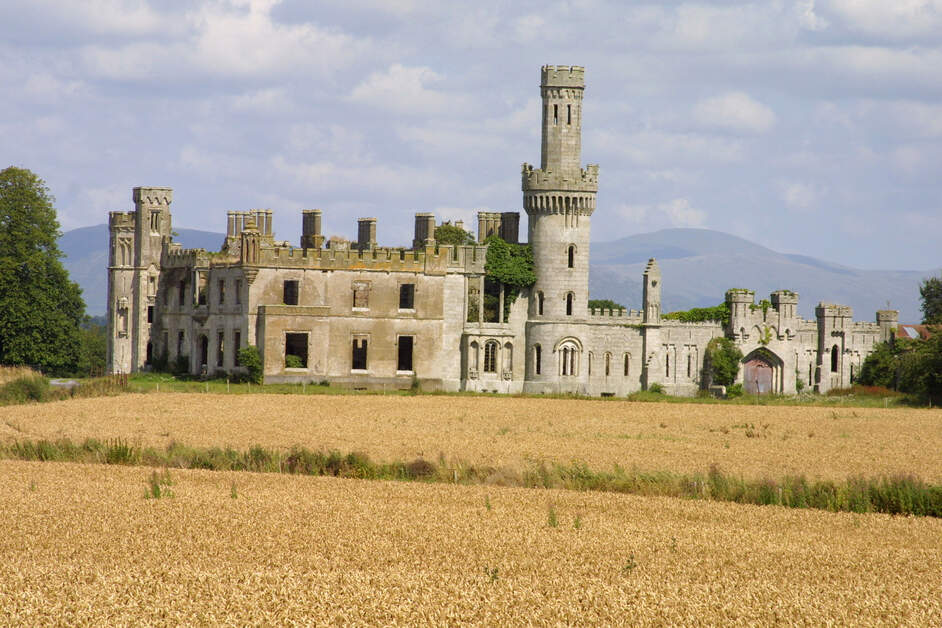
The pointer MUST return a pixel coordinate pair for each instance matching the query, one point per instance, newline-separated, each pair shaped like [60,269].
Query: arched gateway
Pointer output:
[762,372]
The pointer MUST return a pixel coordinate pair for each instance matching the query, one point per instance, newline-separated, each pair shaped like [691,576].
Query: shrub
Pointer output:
[181,365]
[24,389]
[733,391]
[250,358]
[656,388]
[293,362]
[721,362]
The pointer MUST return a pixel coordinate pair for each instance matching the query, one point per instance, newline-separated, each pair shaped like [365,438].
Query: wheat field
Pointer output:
[755,442]
[82,546]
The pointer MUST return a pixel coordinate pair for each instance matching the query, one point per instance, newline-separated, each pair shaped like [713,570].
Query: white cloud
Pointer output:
[677,212]
[808,18]
[269,100]
[682,214]
[404,90]
[799,196]
[736,111]
[887,18]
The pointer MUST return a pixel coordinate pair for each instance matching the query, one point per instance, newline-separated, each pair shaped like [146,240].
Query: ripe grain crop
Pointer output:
[754,442]
[82,545]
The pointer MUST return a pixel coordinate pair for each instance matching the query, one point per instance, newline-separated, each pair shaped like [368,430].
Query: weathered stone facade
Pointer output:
[361,315]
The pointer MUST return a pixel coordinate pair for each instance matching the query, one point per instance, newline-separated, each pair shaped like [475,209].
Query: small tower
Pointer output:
[888,321]
[652,293]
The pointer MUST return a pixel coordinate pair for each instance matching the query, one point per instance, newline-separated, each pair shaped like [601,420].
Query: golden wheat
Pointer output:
[752,441]
[81,545]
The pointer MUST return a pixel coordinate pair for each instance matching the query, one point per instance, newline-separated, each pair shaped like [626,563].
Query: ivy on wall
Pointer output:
[510,265]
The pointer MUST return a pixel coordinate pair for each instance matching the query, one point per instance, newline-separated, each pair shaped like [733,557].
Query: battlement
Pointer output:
[833,309]
[615,316]
[782,297]
[887,316]
[740,295]
[584,180]
[121,220]
[152,196]
[562,76]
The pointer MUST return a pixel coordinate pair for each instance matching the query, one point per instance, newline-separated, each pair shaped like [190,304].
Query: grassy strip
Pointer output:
[898,495]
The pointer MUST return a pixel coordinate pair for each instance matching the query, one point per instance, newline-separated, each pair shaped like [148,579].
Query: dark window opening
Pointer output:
[361,294]
[539,303]
[238,291]
[181,294]
[407,297]
[150,353]
[492,301]
[204,351]
[627,363]
[572,256]
[667,364]
[296,351]
[608,364]
[236,345]
[180,338]
[221,288]
[404,363]
[538,358]
[150,313]
[359,354]
[490,357]
[555,115]
[834,357]
[569,304]
[291,292]
[689,365]
[220,346]
[568,114]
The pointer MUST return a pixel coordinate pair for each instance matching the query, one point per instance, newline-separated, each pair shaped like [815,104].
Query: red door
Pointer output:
[757,376]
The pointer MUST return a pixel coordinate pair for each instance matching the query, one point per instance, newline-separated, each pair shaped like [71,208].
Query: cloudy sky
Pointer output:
[812,127]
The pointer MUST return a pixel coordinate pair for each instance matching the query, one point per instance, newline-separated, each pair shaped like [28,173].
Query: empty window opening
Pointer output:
[296,351]
[810,373]
[221,290]
[150,353]
[834,358]
[571,253]
[627,364]
[181,294]
[555,115]
[359,354]
[236,346]
[150,313]
[539,303]
[404,363]
[407,297]
[238,291]
[538,359]
[689,366]
[568,114]
[568,355]
[490,357]
[180,338]
[608,364]
[291,292]
[361,295]
[204,351]
[589,363]
[220,347]
[667,364]
[201,289]
[569,304]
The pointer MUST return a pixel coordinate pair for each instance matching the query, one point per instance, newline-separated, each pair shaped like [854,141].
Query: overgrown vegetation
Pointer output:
[510,265]
[605,304]
[903,494]
[909,366]
[721,362]
[453,235]
[718,313]
[251,359]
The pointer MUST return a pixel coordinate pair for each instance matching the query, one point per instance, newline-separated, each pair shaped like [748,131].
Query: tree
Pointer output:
[605,304]
[40,309]
[453,235]
[722,361]
[930,290]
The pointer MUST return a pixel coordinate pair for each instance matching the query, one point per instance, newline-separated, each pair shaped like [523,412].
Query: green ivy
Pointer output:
[701,314]
[510,265]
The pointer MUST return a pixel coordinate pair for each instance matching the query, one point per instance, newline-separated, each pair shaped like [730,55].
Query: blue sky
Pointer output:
[811,127]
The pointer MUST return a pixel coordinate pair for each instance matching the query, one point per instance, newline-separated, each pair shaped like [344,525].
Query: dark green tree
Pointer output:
[930,290]
[40,309]
[602,304]
[453,235]
[722,360]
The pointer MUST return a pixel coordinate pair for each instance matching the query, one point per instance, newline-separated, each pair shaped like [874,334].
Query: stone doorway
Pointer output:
[762,372]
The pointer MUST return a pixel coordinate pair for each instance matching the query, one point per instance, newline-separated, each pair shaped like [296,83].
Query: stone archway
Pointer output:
[762,372]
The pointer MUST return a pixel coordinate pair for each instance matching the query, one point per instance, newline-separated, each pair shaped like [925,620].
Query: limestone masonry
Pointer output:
[366,316]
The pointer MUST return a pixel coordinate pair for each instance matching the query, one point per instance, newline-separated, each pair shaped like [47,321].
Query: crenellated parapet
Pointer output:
[121,220]
[563,76]
[582,180]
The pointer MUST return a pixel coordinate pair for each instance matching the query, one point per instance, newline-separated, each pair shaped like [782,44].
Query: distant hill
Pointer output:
[698,266]
[86,259]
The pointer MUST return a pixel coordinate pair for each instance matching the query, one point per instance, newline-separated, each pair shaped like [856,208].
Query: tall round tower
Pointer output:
[559,198]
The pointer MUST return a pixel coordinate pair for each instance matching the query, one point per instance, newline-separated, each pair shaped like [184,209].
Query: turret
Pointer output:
[888,321]
[652,293]
[311,237]
[740,302]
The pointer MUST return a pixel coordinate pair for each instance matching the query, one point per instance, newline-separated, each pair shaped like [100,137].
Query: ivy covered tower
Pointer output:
[559,198]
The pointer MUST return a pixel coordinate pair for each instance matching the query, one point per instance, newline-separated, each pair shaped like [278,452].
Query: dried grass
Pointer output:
[82,546]
[10,373]
[510,433]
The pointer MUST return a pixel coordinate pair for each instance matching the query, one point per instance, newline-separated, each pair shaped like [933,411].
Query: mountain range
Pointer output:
[697,267]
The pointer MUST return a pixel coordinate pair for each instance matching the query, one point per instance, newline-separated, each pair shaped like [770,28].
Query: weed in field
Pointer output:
[673,544]
[32,486]
[491,572]
[233,491]
[577,522]
[487,502]
[158,485]
[630,565]
[551,519]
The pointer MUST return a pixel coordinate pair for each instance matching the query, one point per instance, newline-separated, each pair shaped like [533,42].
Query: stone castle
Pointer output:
[365,316]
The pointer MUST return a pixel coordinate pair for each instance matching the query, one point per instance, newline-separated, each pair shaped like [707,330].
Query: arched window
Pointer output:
[473,356]
[569,304]
[568,364]
[667,363]
[571,252]
[539,303]
[689,365]
[627,363]
[834,356]
[538,359]
[490,356]
[608,364]
[555,115]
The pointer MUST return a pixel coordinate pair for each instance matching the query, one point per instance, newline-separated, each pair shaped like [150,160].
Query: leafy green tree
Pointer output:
[94,348]
[880,367]
[930,290]
[605,304]
[251,359]
[722,359]
[701,314]
[40,309]
[510,265]
[453,235]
